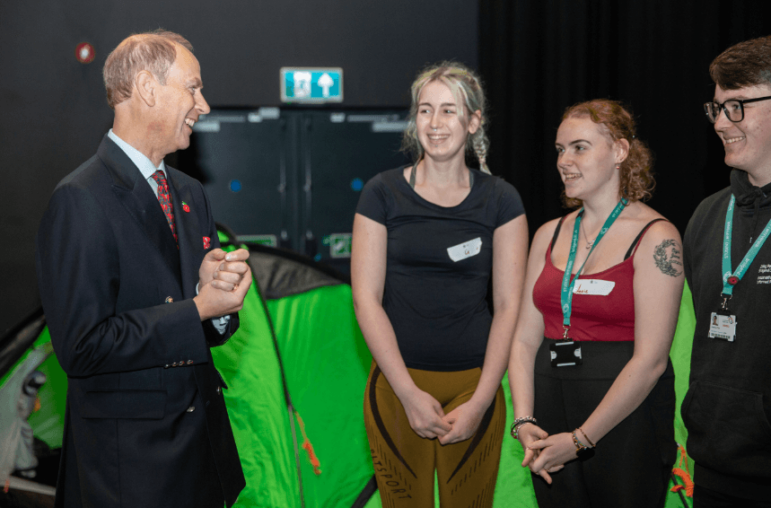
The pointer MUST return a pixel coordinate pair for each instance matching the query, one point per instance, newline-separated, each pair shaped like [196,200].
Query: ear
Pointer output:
[621,148]
[474,121]
[146,87]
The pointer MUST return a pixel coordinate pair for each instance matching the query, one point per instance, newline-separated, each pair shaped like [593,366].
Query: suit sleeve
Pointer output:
[213,336]
[79,276]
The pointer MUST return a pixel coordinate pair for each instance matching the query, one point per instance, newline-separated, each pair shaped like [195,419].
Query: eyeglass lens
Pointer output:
[733,108]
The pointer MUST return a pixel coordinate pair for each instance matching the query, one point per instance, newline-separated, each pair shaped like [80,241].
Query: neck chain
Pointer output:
[589,244]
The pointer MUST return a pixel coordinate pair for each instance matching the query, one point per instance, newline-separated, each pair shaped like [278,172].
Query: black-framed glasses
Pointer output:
[734,108]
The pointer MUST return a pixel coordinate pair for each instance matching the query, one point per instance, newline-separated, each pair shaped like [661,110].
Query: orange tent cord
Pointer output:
[308,447]
[683,474]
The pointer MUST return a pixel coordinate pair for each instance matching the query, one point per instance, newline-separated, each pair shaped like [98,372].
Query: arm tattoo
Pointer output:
[667,258]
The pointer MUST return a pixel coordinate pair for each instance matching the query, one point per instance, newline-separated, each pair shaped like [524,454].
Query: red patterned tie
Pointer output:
[164,198]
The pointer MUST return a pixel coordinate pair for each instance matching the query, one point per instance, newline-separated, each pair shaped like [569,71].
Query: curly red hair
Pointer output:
[617,123]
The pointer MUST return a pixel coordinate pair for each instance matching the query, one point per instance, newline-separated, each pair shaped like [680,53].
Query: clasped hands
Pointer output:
[223,281]
[545,454]
[428,420]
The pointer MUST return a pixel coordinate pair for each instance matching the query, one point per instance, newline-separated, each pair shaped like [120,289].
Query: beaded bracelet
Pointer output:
[583,452]
[519,422]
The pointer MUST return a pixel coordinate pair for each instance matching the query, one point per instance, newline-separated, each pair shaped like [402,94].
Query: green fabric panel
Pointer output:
[327,362]
[224,239]
[258,411]
[680,354]
[515,486]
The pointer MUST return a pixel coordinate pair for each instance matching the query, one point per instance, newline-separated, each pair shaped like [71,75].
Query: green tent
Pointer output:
[296,371]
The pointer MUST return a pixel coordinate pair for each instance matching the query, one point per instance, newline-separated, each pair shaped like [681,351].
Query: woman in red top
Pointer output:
[610,386]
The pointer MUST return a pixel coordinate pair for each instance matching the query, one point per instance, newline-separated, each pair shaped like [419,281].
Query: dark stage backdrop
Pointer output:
[539,57]
[536,57]
[54,113]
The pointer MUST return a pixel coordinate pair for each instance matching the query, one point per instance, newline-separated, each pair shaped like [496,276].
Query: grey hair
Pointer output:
[153,51]
[467,90]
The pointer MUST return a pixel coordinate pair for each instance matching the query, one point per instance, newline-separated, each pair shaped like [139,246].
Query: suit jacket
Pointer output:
[146,423]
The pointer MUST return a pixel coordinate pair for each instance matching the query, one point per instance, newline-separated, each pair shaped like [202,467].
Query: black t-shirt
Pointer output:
[438,305]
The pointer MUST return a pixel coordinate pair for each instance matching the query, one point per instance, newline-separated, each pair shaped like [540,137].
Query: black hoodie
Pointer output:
[727,409]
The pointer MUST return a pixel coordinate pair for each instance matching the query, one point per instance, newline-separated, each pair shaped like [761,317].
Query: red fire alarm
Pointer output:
[85,53]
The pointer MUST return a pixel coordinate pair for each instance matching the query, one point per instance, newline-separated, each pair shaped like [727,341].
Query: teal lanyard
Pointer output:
[566,295]
[730,279]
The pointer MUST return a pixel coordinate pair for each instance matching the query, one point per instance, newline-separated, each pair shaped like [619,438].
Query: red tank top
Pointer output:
[603,318]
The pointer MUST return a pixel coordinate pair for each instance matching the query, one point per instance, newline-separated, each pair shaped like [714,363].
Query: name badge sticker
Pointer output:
[722,327]
[595,287]
[465,250]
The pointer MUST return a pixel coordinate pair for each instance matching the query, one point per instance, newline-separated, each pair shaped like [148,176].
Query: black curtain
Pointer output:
[539,57]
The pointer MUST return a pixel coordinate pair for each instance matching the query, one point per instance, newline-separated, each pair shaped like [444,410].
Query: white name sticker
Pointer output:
[465,250]
[593,287]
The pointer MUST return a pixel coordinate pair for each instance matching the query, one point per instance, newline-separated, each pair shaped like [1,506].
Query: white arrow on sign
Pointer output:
[325,82]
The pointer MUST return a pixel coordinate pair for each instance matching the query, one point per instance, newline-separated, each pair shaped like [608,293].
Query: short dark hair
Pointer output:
[745,64]
[151,51]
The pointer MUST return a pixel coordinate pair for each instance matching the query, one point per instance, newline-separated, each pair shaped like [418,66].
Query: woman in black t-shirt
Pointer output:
[426,239]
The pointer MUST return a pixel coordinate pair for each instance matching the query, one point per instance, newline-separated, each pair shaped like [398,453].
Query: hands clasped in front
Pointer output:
[224,279]
[428,420]
[545,454]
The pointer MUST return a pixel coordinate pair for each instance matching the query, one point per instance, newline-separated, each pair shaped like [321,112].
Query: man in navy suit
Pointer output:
[135,292]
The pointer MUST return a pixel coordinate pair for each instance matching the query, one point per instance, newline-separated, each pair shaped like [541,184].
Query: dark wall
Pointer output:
[538,58]
[54,113]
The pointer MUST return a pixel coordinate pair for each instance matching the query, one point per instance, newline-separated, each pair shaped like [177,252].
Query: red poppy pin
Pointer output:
[206,242]
[185,207]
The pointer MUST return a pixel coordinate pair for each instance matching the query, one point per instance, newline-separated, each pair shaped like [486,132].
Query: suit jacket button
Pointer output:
[169,299]
[174,364]
[166,366]
[190,362]
[190,409]
[219,390]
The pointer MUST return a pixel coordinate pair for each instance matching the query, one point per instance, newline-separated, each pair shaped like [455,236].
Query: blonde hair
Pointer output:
[151,51]
[467,90]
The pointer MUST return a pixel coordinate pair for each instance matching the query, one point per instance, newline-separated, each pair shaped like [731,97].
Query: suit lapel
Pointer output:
[137,197]
[188,233]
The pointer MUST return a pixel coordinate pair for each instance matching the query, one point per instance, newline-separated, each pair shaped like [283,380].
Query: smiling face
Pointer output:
[587,158]
[180,103]
[747,143]
[441,130]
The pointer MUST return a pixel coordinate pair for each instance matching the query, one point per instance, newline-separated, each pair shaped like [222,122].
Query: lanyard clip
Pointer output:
[565,335]
[726,298]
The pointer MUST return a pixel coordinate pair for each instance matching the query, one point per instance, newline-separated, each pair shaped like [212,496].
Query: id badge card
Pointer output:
[722,326]
[565,353]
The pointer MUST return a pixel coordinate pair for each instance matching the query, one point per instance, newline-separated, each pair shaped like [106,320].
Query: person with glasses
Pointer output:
[727,408]
[591,381]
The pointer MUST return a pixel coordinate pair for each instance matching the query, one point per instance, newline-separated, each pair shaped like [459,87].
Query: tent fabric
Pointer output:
[325,364]
[15,343]
[48,422]
[279,277]
[16,404]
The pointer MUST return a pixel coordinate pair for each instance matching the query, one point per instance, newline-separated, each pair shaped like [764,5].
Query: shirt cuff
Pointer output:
[220,323]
